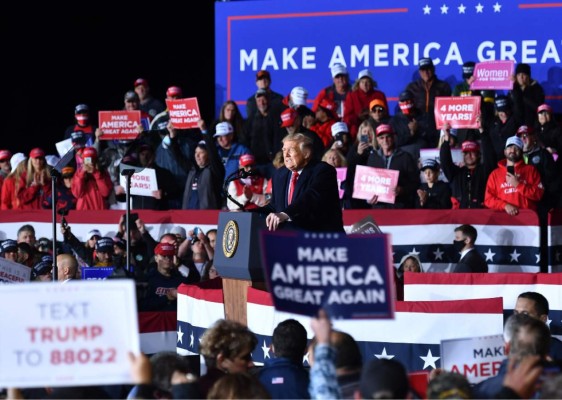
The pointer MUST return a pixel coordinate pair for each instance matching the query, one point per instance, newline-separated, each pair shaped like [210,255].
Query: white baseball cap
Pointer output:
[16,159]
[223,129]
[338,69]
[364,73]
[299,96]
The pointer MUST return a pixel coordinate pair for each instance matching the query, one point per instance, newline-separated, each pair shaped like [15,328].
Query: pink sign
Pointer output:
[493,75]
[121,125]
[342,172]
[459,112]
[371,181]
[184,113]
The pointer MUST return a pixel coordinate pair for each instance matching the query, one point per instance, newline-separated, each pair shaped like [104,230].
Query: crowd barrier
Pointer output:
[411,337]
[510,244]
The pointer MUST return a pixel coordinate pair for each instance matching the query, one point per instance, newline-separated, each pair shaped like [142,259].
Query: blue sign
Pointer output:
[92,273]
[297,42]
[348,276]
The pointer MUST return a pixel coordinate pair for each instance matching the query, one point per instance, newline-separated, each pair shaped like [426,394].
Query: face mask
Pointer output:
[458,245]
[82,119]
[406,107]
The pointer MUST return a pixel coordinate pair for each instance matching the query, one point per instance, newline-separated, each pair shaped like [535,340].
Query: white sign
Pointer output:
[143,183]
[476,358]
[13,272]
[73,334]
[63,146]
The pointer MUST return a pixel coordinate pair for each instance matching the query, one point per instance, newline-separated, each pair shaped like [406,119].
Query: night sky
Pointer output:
[51,64]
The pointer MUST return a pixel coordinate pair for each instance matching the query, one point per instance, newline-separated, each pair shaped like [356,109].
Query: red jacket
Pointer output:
[8,198]
[91,190]
[324,131]
[527,193]
[357,104]
[32,197]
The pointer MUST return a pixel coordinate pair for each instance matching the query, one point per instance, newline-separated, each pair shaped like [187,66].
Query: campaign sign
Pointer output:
[72,334]
[341,174]
[120,125]
[184,113]
[348,276]
[458,111]
[493,75]
[13,272]
[370,181]
[477,358]
[143,183]
[96,273]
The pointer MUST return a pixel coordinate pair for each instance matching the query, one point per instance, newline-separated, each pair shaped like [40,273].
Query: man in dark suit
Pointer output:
[471,260]
[305,191]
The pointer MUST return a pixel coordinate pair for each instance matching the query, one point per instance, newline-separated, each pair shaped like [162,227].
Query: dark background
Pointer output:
[52,62]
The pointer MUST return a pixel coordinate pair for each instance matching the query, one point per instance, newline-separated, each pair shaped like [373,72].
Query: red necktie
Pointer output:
[292,186]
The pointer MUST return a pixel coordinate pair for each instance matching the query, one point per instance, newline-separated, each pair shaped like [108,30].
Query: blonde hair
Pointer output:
[30,175]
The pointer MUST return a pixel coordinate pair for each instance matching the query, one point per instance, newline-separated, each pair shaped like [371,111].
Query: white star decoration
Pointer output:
[538,258]
[180,335]
[497,7]
[429,360]
[265,349]
[514,256]
[548,321]
[305,358]
[444,9]
[191,339]
[426,10]
[384,355]
[479,8]
[414,252]
[489,255]
[462,9]
[438,254]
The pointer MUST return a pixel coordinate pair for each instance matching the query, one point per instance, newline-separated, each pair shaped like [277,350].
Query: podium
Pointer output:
[238,259]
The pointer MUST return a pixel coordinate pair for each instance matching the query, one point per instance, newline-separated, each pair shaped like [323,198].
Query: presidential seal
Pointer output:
[230,241]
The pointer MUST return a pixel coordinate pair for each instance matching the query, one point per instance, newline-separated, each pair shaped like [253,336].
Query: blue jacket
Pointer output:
[284,379]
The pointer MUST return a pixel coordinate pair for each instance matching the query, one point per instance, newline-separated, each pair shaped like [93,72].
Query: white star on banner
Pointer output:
[462,9]
[438,254]
[305,358]
[384,355]
[538,258]
[429,360]
[180,335]
[497,7]
[426,10]
[265,349]
[444,9]
[479,8]
[548,321]
[414,252]
[515,255]
[489,255]
[191,339]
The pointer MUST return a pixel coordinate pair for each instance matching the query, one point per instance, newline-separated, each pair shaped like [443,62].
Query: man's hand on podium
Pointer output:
[273,220]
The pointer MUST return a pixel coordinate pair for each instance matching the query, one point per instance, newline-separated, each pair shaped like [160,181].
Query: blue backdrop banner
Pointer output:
[298,41]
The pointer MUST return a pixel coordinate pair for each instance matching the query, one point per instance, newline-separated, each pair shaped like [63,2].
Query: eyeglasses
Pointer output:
[377,109]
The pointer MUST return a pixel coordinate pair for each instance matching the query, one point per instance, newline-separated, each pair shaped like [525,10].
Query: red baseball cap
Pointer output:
[383,129]
[141,81]
[174,91]
[469,145]
[330,106]
[5,155]
[90,152]
[36,153]
[544,107]
[524,130]
[288,117]
[165,249]
[247,159]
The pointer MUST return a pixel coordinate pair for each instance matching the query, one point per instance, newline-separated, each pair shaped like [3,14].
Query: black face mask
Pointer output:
[458,245]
